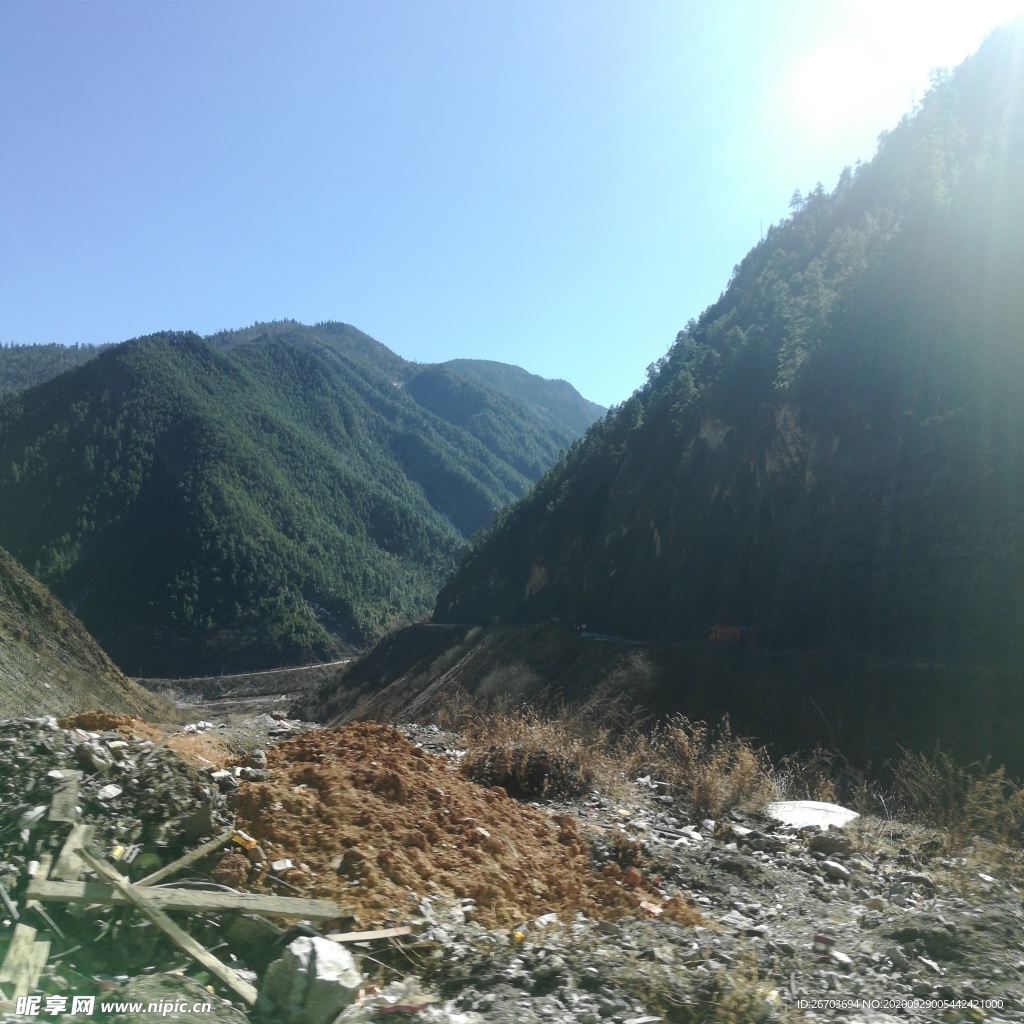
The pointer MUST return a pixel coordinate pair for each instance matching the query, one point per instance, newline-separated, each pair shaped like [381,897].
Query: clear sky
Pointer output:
[559,184]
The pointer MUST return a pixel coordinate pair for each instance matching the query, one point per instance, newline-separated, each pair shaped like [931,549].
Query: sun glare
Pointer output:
[874,64]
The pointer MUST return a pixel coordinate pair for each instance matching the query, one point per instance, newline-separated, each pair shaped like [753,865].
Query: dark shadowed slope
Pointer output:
[834,452]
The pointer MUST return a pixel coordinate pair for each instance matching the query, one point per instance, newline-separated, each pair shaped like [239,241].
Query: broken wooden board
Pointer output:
[192,900]
[25,960]
[64,804]
[142,900]
[190,858]
[379,933]
[9,904]
[68,867]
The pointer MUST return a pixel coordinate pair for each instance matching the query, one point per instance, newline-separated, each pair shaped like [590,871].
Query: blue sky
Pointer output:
[559,184]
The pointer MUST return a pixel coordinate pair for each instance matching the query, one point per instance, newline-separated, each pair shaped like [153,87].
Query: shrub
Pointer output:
[531,757]
[713,770]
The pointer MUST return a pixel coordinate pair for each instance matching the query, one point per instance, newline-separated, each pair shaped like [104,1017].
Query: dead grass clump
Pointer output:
[532,757]
[713,770]
[965,801]
[806,776]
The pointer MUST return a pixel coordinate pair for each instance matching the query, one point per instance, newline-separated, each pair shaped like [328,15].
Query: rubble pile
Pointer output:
[140,796]
[626,911]
[362,815]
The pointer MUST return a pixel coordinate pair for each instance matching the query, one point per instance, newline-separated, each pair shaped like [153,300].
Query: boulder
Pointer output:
[311,984]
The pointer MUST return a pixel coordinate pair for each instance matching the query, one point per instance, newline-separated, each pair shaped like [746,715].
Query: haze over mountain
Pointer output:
[274,494]
[833,452]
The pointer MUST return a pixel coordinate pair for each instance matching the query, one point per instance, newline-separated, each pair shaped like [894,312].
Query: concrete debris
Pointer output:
[800,813]
[311,983]
[785,921]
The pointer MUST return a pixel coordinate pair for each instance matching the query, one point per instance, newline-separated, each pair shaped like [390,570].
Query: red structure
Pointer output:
[724,633]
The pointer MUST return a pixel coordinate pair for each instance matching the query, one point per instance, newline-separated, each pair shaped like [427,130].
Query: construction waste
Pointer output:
[356,875]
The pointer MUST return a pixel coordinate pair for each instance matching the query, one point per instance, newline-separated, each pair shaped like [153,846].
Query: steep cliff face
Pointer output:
[833,452]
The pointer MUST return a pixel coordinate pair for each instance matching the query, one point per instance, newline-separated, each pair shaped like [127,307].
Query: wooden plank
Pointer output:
[64,804]
[379,933]
[142,901]
[193,900]
[190,858]
[68,867]
[12,908]
[26,957]
[17,952]
[38,956]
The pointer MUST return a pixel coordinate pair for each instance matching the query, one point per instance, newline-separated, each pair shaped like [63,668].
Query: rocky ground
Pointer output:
[625,909]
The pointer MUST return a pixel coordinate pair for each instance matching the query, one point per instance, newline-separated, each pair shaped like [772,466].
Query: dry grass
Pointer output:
[555,752]
[712,769]
[533,756]
[565,752]
[964,801]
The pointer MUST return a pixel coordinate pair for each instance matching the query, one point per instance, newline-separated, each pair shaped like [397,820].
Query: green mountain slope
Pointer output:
[22,366]
[833,453]
[555,403]
[50,665]
[265,496]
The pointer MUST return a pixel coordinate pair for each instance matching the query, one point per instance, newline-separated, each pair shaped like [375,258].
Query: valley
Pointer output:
[706,707]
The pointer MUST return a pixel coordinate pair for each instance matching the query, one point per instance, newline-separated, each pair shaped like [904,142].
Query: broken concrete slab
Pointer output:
[311,983]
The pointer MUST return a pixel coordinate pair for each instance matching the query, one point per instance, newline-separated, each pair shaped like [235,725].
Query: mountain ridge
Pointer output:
[291,492]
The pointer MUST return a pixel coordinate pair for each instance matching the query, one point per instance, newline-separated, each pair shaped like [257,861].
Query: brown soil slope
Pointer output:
[412,673]
[49,664]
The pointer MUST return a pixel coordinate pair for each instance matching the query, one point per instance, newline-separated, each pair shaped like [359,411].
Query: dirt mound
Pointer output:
[369,819]
[109,721]
[206,749]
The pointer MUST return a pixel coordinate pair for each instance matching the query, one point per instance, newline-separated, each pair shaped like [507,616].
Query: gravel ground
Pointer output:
[879,922]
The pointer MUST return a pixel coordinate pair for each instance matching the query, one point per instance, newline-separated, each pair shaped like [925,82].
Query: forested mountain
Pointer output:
[48,662]
[555,403]
[833,453]
[21,366]
[262,496]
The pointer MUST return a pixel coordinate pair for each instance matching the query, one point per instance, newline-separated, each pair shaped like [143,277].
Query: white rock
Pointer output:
[800,813]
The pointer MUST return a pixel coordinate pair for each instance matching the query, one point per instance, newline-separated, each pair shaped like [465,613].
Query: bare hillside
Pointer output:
[49,664]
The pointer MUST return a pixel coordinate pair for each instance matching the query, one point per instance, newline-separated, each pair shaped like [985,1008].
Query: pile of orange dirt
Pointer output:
[205,749]
[369,819]
[109,721]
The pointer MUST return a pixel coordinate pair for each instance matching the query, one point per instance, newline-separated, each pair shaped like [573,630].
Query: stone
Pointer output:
[844,960]
[830,842]
[311,983]
[836,871]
